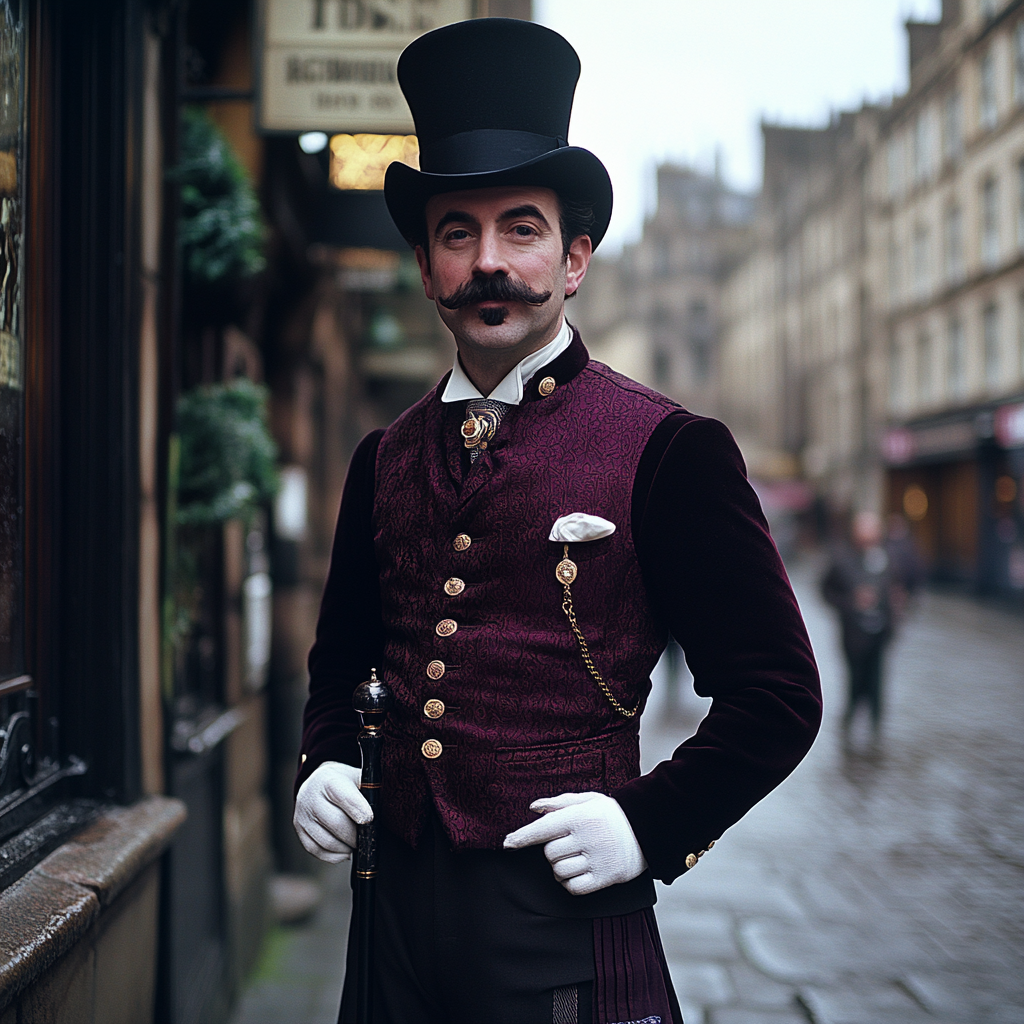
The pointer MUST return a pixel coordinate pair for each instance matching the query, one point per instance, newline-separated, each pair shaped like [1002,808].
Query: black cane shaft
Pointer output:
[371,700]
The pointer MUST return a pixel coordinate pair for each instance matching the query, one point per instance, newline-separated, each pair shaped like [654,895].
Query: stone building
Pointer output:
[948,240]
[873,334]
[654,312]
[796,315]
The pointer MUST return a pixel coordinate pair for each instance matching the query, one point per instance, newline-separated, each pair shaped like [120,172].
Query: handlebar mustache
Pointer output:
[496,288]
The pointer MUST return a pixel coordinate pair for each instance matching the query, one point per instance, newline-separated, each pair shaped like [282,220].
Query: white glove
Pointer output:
[587,840]
[328,808]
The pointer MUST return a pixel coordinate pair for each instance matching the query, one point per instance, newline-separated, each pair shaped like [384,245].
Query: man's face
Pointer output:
[496,270]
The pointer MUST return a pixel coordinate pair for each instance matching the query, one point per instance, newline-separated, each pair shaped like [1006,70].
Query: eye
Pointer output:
[524,230]
[456,235]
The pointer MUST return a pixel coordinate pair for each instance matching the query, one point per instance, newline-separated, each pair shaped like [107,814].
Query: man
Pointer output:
[867,590]
[511,554]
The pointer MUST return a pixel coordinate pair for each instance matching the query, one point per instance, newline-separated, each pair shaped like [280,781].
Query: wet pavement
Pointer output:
[871,887]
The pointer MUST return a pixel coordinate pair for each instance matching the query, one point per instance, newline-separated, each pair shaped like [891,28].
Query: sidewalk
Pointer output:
[865,890]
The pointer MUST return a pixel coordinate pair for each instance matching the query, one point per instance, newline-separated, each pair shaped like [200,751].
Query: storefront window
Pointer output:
[990,329]
[11,346]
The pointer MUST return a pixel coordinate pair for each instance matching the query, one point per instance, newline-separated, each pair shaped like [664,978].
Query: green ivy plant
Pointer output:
[228,465]
[220,230]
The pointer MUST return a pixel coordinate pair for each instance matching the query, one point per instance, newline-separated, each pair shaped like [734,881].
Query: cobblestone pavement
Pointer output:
[869,888]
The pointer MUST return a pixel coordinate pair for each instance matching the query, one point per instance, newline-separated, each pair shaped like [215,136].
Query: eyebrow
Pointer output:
[526,210]
[462,217]
[454,217]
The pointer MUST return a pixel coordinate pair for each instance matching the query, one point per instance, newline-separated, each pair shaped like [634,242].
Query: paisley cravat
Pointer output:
[483,416]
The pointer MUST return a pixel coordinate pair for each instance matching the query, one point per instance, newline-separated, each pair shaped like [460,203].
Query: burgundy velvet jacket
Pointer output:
[707,571]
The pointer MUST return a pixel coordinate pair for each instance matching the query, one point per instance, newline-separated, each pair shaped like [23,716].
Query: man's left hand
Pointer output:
[587,840]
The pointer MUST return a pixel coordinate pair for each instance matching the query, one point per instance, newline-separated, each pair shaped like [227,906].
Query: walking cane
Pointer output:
[371,700]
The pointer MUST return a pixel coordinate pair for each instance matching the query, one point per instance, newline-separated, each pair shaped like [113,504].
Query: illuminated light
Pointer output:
[312,142]
[1006,489]
[915,503]
[359,161]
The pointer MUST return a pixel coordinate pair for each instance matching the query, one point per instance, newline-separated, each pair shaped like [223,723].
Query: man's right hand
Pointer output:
[328,808]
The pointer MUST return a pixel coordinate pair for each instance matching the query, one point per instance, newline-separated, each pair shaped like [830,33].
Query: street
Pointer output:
[867,889]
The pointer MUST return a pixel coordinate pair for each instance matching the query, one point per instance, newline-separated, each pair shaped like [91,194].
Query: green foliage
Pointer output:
[228,458]
[221,229]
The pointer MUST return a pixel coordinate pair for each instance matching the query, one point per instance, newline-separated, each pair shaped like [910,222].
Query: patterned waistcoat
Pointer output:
[494,707]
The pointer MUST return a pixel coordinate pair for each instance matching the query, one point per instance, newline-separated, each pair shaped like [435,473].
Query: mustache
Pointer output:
[496,288]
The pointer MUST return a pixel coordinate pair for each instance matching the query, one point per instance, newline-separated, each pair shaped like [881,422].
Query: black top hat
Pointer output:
[491,99]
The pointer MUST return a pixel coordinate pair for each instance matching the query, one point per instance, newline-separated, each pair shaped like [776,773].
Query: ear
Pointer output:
[576,263]
[424,264]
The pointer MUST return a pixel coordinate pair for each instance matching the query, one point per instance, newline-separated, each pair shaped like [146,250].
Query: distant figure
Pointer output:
[906,565]
[863,586]
[673,670]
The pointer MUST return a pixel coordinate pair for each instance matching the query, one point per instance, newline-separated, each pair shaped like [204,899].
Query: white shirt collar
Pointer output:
[510,390]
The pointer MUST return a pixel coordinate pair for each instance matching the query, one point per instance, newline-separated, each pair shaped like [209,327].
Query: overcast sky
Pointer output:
[674,79]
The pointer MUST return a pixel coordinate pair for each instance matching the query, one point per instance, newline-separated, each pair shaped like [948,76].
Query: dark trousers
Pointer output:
[459,940]
[865,682]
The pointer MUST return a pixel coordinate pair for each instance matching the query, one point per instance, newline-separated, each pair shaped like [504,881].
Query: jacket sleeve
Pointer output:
[715,576]
[349,632]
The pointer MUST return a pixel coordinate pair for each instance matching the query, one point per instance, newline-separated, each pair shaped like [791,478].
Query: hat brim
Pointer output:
[574,174]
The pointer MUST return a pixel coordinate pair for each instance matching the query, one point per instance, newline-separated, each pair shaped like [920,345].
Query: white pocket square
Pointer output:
[578,526]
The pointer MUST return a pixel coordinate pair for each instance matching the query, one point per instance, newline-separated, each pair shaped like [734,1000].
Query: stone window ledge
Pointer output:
[54,905]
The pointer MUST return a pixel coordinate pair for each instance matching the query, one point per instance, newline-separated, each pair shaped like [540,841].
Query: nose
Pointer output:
[489,256]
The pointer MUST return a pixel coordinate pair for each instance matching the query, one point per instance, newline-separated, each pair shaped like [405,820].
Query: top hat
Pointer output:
[491,99]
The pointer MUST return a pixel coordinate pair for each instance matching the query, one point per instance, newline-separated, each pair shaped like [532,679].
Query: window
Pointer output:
[956,375]
[988,112]
[1020,334]
[954,245]
[1018,63]
[895,374]
[699,332]
[952,127]
[925,368]
[894,167]
[895,278]
[923,156]
[1020,204]
[990,333]
[990,224]
[921,275]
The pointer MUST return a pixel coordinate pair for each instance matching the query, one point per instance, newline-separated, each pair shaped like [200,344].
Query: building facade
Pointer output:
[948,186]
[654,313]
[873,334]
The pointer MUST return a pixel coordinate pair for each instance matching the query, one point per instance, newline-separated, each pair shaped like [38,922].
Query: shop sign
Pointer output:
[903,444]
[330,65]
[898,446]
[1009,425]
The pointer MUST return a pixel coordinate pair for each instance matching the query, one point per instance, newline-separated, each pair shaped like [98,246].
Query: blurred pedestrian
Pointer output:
[862,586]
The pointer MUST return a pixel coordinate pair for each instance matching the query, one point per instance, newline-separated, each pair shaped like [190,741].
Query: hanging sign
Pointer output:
[330,65]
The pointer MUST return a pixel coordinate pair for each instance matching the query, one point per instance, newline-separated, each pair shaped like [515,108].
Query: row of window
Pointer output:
[925,275]
[936,137]
[935,366]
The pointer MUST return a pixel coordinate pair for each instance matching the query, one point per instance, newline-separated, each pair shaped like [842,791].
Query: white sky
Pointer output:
[674,79]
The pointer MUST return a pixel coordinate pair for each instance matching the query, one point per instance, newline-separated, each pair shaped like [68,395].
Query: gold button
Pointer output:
[691,858]
[462,542]
[711,845]
[431,749]
[435,669]
[446,627]
[454,587]
[434,708]
[546,386]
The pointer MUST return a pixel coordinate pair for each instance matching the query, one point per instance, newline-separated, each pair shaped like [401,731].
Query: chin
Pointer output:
[510,332]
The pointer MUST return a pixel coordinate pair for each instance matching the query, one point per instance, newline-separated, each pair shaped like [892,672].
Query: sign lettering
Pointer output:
[330,65]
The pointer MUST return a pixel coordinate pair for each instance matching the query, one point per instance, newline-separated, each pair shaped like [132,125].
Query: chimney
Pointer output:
[923,41]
